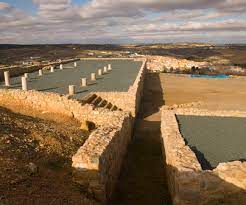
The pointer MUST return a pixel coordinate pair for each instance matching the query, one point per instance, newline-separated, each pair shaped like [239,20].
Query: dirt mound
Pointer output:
[35,160]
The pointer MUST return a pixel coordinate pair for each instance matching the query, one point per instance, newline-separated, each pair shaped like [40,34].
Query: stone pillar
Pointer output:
[93,76]
[6,78]
[109,67]
[105,69]
[52,69]
[61,67]
[75,64]
[40,72]
[100,72]
[71,89]
[24,83]
[83,82]
[26,75]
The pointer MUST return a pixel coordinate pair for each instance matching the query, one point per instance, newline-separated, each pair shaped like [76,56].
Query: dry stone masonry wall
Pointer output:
[128,101]
[98,162]
[188,183]
[40,104]
[17,70]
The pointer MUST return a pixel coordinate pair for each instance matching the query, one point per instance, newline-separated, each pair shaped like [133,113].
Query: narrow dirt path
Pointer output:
[143,177]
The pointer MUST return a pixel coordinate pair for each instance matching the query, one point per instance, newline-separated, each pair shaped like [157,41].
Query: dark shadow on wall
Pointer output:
[153,98]
[82,91]
[241,160]
[143,177]
[48,89]
[205,164]
[17,85]
[202,159]
[208,189]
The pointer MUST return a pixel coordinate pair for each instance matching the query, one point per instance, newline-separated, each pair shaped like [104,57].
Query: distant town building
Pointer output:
[34,57]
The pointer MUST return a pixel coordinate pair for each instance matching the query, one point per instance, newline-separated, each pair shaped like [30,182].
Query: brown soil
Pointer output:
[216,94]
[35,160]
[143,178]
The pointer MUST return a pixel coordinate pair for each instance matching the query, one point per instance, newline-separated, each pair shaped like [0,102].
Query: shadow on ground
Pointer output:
[143,178]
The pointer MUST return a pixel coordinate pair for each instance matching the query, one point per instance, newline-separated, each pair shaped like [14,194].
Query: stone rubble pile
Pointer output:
[186,105]
[161,63]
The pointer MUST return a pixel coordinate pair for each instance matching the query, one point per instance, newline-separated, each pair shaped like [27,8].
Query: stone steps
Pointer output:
[97,101]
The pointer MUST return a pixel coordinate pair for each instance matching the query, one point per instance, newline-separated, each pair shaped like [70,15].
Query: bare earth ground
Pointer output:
[206,137]
[35,160]
[143,176]
[221,94]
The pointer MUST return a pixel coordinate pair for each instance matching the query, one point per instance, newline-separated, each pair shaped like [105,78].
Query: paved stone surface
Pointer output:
[215,139]
[119,79]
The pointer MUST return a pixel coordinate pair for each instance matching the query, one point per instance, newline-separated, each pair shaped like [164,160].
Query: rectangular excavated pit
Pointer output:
[214,139]
[119,79]
[217,136]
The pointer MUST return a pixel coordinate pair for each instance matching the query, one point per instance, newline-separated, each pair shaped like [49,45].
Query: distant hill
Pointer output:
[231,53]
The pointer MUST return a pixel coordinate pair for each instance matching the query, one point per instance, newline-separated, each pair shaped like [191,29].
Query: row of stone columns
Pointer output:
[24,82]
[40,73]
[71,88]
[6,78]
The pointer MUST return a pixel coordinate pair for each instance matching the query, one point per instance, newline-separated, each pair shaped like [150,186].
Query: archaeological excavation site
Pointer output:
[113,132]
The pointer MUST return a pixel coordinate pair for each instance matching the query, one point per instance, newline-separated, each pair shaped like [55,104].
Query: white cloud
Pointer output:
[110,21]
[4,6]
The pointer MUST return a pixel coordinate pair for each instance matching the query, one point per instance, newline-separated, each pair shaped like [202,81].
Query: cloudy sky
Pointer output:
[122,21]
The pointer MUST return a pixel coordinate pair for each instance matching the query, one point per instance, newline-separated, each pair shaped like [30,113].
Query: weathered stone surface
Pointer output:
[128,101]
[97,163]
[36,103]
[159,63]
[188,183]
[204,112]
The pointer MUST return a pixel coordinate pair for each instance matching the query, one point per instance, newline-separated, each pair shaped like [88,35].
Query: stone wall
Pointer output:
[136,89]
[97,164]
[128,101]
[204,112]
[17,71]
[161,63]
[49,105]
[188,183]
